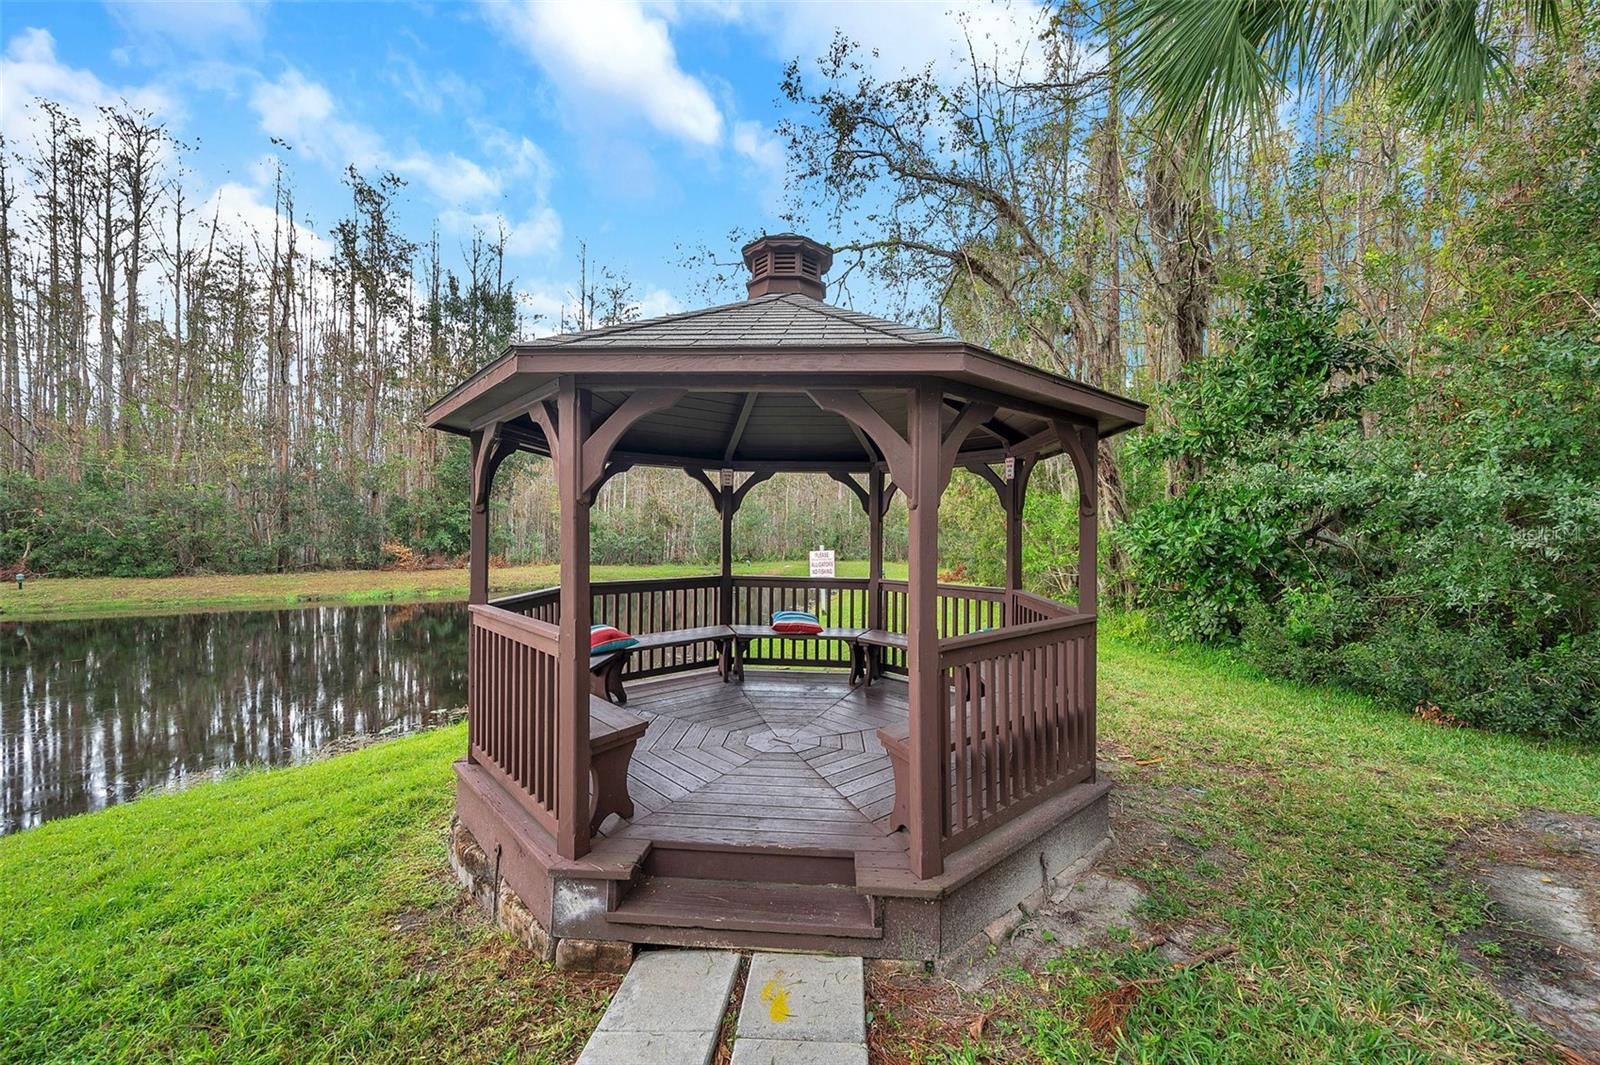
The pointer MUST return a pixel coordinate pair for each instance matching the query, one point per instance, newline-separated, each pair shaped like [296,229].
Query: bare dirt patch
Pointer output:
[1541,943]
[915,1014]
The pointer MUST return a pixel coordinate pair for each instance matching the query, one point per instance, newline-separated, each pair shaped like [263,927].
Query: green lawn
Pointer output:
[48,597]
[306,913]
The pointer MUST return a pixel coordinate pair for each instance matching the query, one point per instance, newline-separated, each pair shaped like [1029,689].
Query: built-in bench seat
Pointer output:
[613,732]
[606,670]
[868,658]
[745,635]
[733,641]
[896,741]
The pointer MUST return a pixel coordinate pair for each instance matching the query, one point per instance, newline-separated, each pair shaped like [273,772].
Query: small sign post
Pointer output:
[727,478]
[1011,468]
[822,566]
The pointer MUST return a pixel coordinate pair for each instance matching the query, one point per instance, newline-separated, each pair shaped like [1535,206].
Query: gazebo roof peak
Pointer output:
[768,320]
[787,262]
[748,372]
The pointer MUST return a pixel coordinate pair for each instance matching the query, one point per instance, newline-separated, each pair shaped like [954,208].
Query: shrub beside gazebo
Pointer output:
[734,803]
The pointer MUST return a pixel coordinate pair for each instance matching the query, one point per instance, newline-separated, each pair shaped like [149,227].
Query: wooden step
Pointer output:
[744,906]
[772,865]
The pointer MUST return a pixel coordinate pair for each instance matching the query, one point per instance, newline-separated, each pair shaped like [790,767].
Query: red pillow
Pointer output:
[603,638]
[797,622]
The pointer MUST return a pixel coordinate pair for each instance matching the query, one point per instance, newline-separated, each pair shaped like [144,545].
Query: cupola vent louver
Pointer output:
[787,262]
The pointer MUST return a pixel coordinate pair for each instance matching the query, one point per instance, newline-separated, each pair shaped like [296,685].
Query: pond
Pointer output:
[95,712]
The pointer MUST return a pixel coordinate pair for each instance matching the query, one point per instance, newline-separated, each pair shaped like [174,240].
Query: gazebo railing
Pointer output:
[663,604]
[511,707]
[1018,691]
[962,608]
[1019,715]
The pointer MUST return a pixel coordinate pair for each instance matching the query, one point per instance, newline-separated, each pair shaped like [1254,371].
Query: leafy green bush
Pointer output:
[123,522]
[1254,431]
[1432,538]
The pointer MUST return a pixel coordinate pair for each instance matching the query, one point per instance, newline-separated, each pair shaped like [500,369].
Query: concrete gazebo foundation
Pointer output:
[759,809]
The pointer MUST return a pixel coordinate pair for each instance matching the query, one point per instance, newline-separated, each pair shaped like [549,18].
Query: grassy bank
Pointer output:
[306,914]
[44,598]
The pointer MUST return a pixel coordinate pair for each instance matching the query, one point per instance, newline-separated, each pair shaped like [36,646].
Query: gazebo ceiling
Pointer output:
[747,367]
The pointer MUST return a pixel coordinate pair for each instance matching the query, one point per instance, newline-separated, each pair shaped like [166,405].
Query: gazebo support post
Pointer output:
[572,681]
[1082,446]
[478,533]
[1015,496]
[922,646]
[489,449]
[1082,443]
[877,503]
[725,508]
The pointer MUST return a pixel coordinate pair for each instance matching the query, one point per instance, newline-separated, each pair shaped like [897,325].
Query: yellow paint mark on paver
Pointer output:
[776,996]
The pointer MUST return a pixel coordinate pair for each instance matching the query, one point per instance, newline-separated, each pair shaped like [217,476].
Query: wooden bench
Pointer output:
[869,648]
[896,741]
[613,732]
[745,635]
[605,671]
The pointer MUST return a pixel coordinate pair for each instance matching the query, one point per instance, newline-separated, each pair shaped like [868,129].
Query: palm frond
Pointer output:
[1216,68]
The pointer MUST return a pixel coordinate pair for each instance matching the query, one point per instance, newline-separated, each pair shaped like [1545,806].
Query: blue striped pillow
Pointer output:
[796,622]
[606,638]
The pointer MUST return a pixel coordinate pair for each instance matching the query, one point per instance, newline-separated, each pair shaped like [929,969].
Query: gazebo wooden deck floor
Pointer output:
[783,759]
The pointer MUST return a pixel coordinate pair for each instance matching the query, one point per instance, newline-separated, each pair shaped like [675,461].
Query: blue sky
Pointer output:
[634,126]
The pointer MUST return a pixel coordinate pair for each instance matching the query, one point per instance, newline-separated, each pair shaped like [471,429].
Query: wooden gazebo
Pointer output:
[794,805]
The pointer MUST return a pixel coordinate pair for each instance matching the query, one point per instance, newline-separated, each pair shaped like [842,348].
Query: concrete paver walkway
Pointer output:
[802,1009]
[668,1010]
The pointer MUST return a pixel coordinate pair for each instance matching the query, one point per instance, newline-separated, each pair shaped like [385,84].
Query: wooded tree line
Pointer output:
[1357,273]
[173,376]
[1367,332]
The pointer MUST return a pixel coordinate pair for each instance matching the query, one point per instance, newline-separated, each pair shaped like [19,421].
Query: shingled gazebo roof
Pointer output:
[748,368]
[783,319]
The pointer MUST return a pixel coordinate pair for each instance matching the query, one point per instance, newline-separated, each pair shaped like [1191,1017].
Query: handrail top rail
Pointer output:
[1068,616]
[506,602]
[540,634]
[1035,597]
[767,578]
[963,646]
[899,584]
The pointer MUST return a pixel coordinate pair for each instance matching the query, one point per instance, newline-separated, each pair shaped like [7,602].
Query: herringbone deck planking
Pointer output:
[784,758]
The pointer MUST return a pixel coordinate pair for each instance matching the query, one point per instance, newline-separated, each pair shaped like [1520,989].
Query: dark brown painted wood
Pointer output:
[733,905]
[572,684]
[999,704]
[927,731]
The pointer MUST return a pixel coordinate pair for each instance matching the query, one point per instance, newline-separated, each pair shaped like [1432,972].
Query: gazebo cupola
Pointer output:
[787,262]
[933,758]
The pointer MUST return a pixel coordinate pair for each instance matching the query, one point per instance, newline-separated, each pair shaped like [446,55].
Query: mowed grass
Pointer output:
[287,915]
[1311,830]
[305,913]
[48,597]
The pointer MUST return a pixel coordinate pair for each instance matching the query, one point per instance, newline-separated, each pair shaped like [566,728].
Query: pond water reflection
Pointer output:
[94,712]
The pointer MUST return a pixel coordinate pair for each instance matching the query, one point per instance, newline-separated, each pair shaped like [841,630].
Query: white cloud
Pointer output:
[536,233]
[908,36]
[197,26]
[765,155]
[430,91]
[658,301]
[613,56]
[243,212]
[304,114]
[450,177]
[31,69]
